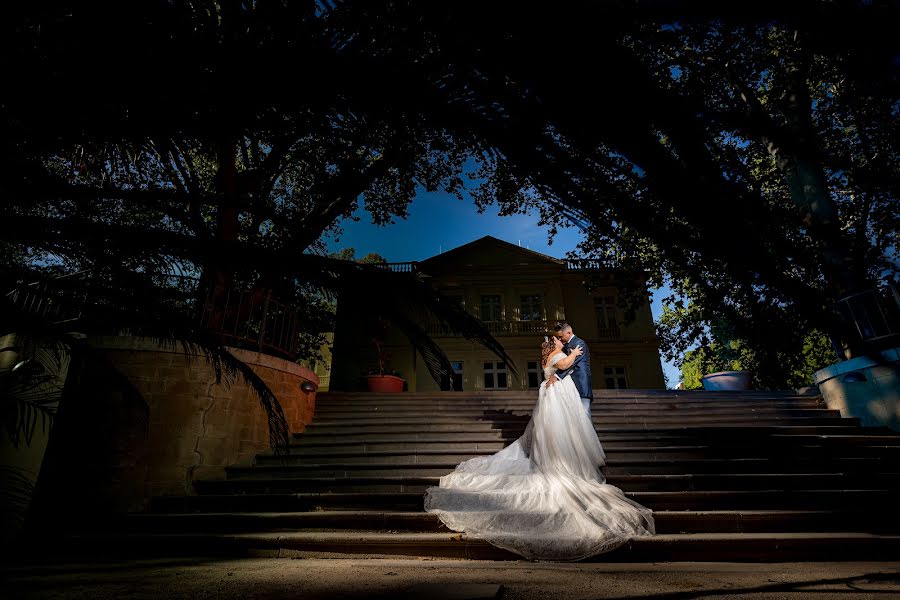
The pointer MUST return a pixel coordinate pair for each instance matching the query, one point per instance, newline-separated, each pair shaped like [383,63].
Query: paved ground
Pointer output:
[319,578]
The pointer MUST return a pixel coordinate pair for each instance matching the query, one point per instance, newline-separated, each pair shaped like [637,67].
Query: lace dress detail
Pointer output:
[550,369]
[543,496]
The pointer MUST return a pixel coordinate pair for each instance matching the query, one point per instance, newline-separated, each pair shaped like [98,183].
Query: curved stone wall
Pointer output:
[196,427]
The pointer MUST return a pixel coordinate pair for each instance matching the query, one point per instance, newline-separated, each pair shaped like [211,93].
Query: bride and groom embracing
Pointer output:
[544,496]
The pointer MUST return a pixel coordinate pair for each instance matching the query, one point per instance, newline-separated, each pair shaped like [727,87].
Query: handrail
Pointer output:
[247,318]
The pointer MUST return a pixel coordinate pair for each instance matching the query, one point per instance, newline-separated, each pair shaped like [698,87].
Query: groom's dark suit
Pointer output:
[580,371]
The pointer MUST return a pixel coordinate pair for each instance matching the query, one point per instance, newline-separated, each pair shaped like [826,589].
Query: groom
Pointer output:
[581,368]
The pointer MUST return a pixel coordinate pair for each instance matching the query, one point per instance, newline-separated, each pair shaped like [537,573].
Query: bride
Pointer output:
[543,496]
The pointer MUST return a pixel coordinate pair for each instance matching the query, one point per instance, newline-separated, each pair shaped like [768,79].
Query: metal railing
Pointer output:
[875,313]
[251,319]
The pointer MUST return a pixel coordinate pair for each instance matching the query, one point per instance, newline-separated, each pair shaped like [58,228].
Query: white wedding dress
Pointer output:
[543,496]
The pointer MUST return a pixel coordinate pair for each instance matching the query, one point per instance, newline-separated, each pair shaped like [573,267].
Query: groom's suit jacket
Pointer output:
[580,369]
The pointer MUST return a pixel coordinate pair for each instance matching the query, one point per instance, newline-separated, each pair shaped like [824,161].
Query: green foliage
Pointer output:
[350,254]
[793,370]
[176,187]
[749,160]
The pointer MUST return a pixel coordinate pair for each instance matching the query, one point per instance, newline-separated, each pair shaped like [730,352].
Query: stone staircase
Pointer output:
[731,476]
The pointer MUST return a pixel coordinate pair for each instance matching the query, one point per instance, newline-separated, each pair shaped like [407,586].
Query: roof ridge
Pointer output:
[490,237]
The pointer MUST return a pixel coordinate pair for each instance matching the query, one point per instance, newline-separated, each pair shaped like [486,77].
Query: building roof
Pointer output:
[482,248]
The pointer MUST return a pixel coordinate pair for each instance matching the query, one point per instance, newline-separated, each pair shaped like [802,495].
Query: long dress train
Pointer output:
[543,496]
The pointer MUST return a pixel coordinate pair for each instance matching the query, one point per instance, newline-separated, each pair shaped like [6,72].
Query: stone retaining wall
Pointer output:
[197,427]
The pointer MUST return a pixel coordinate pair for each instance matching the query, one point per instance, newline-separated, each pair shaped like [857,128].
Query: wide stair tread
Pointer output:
[767,546]
[701,521]
[869,497]
[743,476]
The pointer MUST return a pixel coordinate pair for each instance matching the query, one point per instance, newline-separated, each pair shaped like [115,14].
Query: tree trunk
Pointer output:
[217,278]
[802,169]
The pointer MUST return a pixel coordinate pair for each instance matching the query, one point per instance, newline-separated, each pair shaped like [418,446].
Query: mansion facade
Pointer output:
[520,295]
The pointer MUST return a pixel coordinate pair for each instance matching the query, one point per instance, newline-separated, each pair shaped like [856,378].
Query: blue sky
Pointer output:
[439,222]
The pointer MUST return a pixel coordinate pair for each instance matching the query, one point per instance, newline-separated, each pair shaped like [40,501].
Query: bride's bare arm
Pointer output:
[565,363]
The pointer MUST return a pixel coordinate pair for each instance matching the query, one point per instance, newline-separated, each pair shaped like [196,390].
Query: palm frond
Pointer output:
[31,389]
[436,361]
[16,491]
[134,306]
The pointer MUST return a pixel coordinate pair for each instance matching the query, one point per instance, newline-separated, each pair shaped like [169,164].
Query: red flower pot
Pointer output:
[385,383]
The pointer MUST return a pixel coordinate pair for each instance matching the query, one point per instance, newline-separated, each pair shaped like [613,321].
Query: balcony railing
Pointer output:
[577,264]
[500,328]
[400,267]
[609,333]
[588,264]
[520,328]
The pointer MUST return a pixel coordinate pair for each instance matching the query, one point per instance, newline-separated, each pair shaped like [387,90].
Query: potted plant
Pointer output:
[727,380]
[383,379]
[725,363]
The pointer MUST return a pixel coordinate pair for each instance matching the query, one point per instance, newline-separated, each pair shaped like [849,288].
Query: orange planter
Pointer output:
[385,383]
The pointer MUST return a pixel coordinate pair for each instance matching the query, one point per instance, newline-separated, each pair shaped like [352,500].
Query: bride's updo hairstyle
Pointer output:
[547,348]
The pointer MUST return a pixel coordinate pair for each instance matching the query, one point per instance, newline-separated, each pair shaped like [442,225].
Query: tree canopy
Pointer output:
[746,157]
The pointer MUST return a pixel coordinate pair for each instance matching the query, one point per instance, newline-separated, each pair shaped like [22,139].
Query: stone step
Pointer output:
[515,428]
[626,394]
[877,500]
[460,413]
[363,480]
[529,402]
[617,465]
[715,521]
[489,444]
[757,436]
[419,451]
[333,408]
[734,434]
[756,547]
[801,417]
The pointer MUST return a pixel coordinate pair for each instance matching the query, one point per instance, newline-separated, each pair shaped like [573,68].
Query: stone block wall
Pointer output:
[195,426]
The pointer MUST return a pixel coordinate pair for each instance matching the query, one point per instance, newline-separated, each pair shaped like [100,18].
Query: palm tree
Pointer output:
[115,194]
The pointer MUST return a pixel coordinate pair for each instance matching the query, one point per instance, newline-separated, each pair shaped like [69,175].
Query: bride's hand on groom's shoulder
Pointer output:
[578,351]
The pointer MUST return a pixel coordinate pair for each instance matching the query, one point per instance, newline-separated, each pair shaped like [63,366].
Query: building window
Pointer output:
[495,375]
[535,374]
[532,309]
[605,309]
[457,378]
[607,322]
[491,308]
[615,378]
